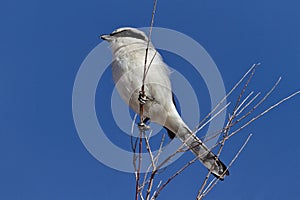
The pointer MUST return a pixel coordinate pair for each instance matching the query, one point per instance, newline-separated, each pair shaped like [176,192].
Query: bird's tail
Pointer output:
[206,156]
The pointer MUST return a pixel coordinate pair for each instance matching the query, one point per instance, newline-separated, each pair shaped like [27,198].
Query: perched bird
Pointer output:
[128,47]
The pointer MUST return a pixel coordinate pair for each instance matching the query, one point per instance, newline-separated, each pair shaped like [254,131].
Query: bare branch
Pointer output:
[228,94]
[261,101]
[157,192]
[149,150]
[142,93]
[160,149]
[240,106]
[211,186]
[264,112]
[242,109]
[210,119]
[137,189]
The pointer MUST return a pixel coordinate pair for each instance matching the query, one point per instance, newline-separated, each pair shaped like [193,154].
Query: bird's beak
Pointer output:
[105,37]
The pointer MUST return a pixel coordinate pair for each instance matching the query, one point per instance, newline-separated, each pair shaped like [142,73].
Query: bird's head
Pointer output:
[125,36]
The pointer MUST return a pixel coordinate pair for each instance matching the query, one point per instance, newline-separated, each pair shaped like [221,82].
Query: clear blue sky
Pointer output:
[42,45]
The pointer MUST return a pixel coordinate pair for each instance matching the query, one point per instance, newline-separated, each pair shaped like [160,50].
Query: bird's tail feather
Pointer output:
[205,155]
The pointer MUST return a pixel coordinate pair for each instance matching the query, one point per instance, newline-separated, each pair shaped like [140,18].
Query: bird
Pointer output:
[128,46]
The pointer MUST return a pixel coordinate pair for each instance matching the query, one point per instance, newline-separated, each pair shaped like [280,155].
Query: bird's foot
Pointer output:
[142,98]
[143,127]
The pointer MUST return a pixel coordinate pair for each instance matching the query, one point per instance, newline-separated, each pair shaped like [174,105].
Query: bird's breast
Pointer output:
[128,72]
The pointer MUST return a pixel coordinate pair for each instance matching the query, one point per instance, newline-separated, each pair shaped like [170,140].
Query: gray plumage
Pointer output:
[128,48]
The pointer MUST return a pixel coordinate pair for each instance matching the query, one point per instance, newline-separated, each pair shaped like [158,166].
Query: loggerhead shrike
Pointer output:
[128,47]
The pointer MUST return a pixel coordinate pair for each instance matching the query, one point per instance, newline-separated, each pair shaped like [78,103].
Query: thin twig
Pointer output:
[264,112]
[155,159]
[228,125]
[227,95]
[243,90]
[242,109]
[149,150]
[137,189]
[142,93]
[243,102]
[150,184]
[204,183]
[157,192]
[211,186]
[248,113]
[133,145]
[260,102]
[213,117]
[149,40]
[160,149]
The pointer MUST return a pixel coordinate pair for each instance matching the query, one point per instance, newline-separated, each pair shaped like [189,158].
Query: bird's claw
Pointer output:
[142,98]
[143,127]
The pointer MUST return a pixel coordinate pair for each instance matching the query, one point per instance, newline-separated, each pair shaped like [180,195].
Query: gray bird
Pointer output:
[128,47]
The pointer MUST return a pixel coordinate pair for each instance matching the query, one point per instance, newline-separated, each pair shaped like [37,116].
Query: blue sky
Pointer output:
[43,44]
